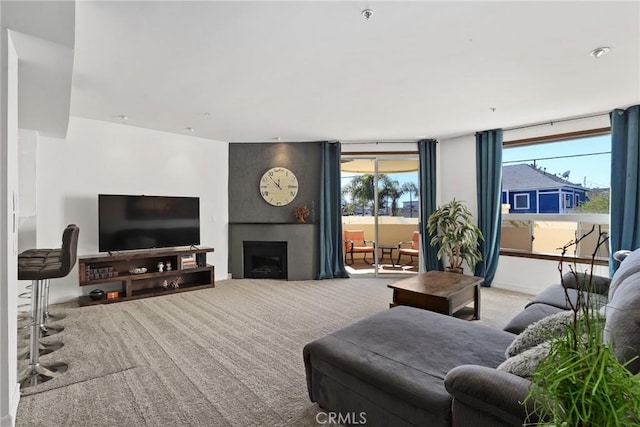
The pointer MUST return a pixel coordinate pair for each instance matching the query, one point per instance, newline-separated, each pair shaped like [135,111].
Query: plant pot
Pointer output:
[458,270]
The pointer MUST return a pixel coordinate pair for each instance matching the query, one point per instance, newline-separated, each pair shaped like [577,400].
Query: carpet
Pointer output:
[227,356]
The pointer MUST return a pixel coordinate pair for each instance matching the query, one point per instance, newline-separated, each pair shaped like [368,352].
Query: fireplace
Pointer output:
[265,260]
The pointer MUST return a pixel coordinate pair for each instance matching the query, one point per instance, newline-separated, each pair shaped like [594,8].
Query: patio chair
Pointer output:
[413,248]
[354,242]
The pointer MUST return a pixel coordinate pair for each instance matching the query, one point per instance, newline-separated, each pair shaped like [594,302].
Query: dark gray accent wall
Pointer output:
[248,162]
[252,218]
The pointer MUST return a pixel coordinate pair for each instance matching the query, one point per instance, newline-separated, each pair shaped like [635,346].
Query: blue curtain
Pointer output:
[330,214]
[624,230]
[427,178]
[489,188]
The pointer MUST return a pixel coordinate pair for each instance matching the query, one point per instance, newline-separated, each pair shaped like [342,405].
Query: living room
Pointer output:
[109,148]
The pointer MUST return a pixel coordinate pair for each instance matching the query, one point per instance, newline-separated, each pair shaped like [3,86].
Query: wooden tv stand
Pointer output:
[115,267]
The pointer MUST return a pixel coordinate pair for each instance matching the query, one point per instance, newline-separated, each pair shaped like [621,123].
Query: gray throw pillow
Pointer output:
[539,332]
[525,363]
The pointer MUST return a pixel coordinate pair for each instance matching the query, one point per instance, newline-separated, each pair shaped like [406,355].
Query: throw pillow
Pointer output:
[525,363]
[539,332]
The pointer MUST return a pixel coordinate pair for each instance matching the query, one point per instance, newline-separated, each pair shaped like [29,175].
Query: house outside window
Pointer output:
[555,189]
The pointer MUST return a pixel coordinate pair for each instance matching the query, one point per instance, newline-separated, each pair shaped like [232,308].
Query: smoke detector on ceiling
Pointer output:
[367,13]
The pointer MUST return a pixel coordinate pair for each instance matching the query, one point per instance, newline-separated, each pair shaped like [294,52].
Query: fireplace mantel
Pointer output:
[302,246]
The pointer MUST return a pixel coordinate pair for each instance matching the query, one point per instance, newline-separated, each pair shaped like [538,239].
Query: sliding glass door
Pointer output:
[380,198]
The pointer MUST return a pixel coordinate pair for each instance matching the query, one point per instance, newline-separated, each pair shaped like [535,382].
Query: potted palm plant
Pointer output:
[454,234]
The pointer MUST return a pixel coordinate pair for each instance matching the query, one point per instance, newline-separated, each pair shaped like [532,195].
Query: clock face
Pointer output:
[278,186]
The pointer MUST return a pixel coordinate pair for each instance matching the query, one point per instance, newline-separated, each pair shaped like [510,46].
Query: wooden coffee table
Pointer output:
[446,293]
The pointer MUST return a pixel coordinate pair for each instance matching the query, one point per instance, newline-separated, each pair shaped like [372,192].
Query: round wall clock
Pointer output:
[279,186]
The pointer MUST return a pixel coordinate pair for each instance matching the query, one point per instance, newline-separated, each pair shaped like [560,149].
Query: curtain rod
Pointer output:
[556,121]
[395,141]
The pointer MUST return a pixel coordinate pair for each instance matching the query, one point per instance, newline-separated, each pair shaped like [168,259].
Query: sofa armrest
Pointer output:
[490,391]
[599,284]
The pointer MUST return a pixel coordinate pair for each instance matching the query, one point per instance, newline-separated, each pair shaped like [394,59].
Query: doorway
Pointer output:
[380,197]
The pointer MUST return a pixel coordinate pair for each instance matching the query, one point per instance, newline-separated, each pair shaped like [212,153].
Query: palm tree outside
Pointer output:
[411,189]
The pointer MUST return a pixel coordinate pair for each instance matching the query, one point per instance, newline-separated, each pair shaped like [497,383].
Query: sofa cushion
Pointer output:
[397,360]
[529,315]
[622,327]
[555,295]
[539,332]
[587,282]
[628,267]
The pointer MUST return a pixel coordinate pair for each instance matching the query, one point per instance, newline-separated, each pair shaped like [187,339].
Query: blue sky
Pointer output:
[594,169]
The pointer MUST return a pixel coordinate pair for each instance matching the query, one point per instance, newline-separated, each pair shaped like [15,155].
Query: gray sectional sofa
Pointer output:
[411,367]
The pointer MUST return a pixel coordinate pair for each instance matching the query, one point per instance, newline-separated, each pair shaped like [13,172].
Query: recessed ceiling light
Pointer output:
[367,13]
[123,117]
[277,138]
[207,114]
[190,129]
[599,51]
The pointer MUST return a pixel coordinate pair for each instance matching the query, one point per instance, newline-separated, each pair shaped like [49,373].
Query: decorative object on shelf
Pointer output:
[160,267]
[97,294]
[168,265]
[175,284]
[165,284]
[113,295]
[455,235]
[138,270]
[301,213]
[101,272]
[278,186]
[188,261]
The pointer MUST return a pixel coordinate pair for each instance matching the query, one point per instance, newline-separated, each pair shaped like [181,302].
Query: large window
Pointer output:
[555,190]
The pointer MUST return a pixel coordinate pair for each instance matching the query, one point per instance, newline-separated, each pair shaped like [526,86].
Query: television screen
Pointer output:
[144,222]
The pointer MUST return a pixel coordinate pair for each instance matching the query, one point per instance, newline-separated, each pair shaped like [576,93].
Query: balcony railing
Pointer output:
[546,234]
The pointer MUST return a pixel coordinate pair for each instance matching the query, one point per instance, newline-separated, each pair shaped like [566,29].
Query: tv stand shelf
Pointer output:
[187,263]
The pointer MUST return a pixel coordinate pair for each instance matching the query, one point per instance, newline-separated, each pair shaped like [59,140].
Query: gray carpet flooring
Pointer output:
[227,356]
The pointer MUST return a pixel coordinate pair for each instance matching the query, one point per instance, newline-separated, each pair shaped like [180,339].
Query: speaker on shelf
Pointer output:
[201,260]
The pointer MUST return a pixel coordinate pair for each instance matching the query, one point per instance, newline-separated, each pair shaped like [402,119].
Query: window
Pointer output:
[554,189]
[521,201]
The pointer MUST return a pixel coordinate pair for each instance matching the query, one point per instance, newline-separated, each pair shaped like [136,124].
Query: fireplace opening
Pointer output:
[265,260]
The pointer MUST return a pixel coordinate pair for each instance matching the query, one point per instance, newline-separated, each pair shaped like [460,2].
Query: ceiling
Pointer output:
[305,71]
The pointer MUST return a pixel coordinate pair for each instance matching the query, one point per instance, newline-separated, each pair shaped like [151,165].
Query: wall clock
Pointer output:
[279,186]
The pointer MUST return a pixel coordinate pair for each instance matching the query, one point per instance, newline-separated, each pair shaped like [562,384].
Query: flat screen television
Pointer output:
[127,222]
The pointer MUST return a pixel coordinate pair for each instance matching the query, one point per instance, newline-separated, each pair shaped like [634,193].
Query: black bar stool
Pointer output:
[39,266]
[35,258]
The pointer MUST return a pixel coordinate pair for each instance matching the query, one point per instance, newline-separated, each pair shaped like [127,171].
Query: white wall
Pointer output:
[456,178]
[9,388]
[456,165]
[27,173]
[101,157]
